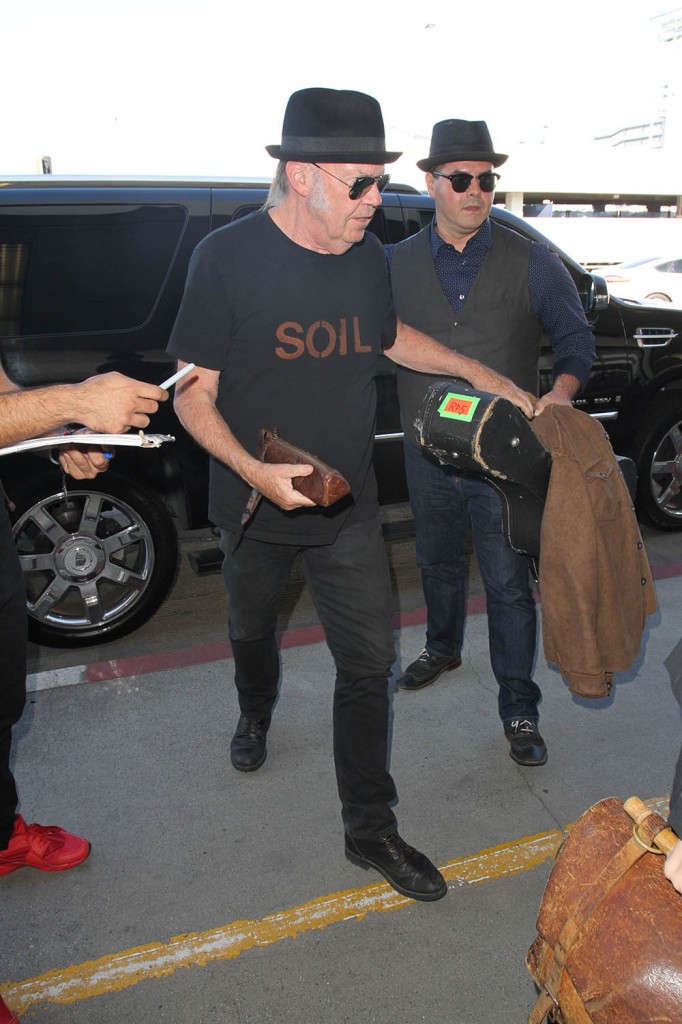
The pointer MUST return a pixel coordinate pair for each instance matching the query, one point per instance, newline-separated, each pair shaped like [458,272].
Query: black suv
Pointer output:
[91,276]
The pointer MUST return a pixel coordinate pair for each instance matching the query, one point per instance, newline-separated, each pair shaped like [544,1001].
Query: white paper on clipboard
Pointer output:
[138,440]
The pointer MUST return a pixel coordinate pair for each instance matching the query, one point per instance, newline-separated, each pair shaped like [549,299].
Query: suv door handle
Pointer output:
[654,337]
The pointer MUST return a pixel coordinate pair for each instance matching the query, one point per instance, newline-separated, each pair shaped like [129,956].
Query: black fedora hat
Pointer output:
[460,140]
[336,126]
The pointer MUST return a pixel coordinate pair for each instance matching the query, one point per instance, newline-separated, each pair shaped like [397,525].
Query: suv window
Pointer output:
[221,218]
[89,268]
[393,222]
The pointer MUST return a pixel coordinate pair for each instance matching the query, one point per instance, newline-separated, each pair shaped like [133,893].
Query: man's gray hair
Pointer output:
[278,188]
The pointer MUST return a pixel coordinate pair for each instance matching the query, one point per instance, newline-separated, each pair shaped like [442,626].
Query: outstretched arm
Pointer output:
[418,351]
[110,403]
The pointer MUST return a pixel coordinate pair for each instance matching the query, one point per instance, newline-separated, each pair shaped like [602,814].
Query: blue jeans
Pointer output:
[444,500]
[350,584]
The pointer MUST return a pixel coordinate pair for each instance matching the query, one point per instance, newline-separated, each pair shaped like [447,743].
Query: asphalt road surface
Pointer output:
[195,612]
[240,879]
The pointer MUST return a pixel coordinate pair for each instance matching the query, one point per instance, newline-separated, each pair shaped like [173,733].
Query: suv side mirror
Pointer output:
[593,291]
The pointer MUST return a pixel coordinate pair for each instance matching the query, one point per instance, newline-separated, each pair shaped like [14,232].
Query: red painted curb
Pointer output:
[183,657]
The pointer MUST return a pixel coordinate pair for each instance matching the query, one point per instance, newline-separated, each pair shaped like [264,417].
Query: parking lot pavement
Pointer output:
[241,879]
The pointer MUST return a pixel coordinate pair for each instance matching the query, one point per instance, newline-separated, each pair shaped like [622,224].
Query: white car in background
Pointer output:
[652,279]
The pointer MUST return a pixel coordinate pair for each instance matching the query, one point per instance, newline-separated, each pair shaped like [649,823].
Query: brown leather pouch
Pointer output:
[324,485]
[609,944]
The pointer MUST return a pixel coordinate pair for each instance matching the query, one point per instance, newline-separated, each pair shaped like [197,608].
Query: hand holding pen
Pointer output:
[165,385]
[82,463]
[177,376]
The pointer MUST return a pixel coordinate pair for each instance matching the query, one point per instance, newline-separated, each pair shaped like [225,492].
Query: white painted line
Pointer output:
[53,678]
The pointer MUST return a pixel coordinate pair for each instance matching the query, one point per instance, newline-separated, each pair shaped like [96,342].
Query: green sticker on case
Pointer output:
[458,407]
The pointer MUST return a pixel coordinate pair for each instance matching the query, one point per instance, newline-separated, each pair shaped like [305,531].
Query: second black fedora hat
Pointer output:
[460,140]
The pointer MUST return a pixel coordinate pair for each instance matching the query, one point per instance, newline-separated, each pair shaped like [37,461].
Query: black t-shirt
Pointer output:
[296,336]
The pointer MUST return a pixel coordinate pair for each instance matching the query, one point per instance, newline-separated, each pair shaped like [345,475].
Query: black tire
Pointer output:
[97,563]
[657,453]
[657,297]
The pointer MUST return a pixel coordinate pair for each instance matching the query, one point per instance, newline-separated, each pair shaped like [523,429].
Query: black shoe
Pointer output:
[425,669]
[247,749]
[406,869]
[526,745]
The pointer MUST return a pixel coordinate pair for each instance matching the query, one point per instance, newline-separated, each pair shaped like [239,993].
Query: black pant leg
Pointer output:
[351,587]
[13,635]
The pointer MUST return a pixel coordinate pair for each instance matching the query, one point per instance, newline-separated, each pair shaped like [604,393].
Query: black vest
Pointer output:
[496,325]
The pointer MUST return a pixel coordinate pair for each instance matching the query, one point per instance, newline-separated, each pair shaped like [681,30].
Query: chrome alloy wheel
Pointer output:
[87,559]
[666,472]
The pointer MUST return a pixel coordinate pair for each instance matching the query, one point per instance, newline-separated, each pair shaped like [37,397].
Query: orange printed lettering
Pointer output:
[310,336]
[296,344]
[296,340]
[343,337]
[359,347]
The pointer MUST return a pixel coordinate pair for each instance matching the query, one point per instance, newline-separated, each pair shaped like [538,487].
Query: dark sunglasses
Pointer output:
[460,180]
[358,188]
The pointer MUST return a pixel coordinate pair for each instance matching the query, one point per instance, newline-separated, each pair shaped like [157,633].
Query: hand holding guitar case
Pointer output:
[486,434]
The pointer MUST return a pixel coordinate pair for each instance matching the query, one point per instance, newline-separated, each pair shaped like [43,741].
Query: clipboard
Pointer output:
[130,440]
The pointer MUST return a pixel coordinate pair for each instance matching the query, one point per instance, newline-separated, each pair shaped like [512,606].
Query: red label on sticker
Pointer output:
[457,406]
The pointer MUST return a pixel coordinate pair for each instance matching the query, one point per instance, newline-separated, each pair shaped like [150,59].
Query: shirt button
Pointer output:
[462,297]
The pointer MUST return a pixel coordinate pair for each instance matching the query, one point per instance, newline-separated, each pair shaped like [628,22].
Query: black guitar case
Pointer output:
[482,433]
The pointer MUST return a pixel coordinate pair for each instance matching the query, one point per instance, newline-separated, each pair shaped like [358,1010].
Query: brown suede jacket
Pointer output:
[595,581]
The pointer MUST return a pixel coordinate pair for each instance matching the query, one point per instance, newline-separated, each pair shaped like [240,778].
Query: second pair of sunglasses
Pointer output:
[461,181]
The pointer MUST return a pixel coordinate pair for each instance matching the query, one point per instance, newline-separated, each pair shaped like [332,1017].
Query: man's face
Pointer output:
[459,215]
[337,221]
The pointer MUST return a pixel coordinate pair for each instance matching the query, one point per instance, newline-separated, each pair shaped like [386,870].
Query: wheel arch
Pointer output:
[656,449]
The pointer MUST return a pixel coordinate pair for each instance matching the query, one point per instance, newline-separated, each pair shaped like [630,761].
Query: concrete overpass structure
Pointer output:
[601,206]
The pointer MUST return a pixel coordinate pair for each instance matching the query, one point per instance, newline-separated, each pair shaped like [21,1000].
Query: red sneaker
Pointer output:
[46,847]
[6,1015]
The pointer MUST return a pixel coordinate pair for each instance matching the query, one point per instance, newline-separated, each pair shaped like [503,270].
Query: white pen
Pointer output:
[176,376]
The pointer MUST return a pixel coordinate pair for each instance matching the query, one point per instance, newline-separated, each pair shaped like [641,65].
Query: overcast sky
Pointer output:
[199,88]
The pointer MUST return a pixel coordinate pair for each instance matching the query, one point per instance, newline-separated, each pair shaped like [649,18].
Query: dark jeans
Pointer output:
[350,585]
[13,624]
[443,501]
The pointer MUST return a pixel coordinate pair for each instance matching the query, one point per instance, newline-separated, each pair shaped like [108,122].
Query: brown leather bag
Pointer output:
[324,485]
[609,945]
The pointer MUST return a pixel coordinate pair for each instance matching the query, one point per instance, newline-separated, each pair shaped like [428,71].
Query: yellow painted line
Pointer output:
[158,960]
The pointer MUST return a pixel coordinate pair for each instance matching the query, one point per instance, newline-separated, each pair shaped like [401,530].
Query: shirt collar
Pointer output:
[481,241]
